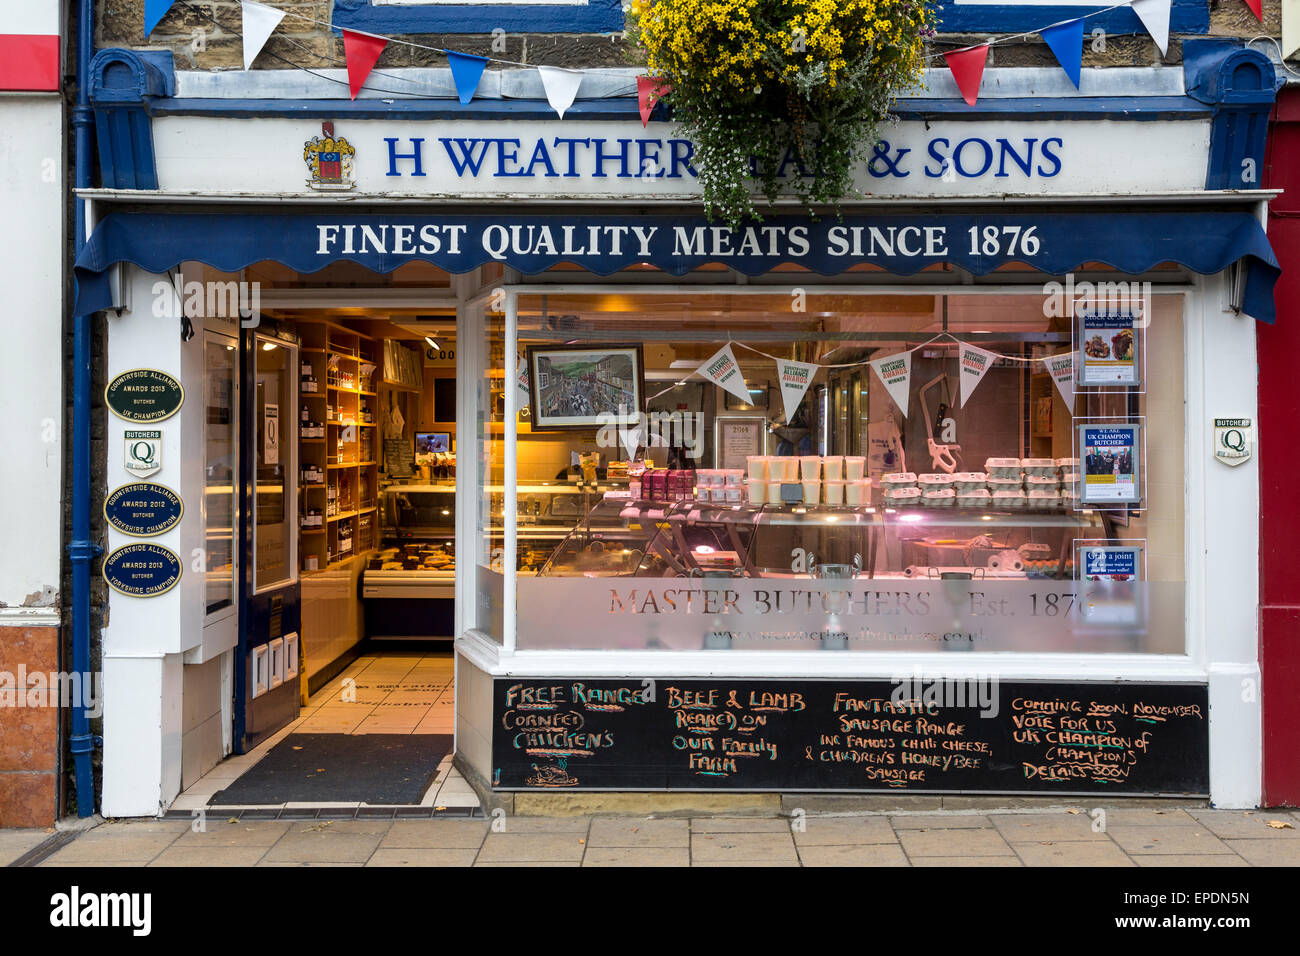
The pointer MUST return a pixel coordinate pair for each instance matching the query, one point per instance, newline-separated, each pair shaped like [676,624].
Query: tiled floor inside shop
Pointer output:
[382,693]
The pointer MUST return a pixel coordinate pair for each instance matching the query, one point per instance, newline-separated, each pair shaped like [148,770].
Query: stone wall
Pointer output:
[203,34]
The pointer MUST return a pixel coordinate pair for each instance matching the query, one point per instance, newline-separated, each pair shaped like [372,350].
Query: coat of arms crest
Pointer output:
[330,160]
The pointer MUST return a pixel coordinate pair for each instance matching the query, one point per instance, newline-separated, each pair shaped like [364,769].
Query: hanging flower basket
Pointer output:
[784,95]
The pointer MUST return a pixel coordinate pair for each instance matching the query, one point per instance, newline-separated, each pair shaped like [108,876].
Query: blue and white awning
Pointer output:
[1054,243]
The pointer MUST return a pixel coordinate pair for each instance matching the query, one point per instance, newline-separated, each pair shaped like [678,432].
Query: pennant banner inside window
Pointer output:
[973,364]
[1061,368]
[723,369]
[795,378]
[895,371]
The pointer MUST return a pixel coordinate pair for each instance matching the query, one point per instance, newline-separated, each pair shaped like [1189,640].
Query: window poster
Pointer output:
[1110,458]
[1101,563]
[1111,593]
[1108,347]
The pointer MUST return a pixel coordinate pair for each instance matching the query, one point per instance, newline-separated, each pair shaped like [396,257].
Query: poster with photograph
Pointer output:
[585,386]
[1110,461]
[1108,348]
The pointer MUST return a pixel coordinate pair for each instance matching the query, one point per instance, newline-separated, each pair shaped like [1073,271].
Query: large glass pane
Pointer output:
[219,499]
[954,523]
[496,374]
[274,533]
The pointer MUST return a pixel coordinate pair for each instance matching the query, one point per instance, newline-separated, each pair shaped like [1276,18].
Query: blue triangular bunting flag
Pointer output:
[466,71]
[1066,41]
[155,10]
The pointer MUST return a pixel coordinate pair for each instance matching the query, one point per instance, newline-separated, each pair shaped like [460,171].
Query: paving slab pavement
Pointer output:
[1119,836]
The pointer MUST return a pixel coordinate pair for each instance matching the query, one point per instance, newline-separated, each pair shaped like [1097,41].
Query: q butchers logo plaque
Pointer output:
[143,509]
[142,453]
[142,570]
[144,395]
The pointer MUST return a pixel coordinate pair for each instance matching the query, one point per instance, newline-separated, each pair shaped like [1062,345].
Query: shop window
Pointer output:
[943,511]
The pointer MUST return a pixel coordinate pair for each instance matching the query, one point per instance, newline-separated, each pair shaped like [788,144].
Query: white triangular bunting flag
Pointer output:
[1154,15]
[1061,368]
[561,86]
[895,372]
[260,22]
[795,378]
[974,363]
[723,369]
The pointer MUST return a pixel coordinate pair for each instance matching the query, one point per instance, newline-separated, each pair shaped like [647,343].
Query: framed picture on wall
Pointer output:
[757,399]
[585,386]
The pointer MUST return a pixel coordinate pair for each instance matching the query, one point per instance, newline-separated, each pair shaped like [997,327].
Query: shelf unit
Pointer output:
[337,395]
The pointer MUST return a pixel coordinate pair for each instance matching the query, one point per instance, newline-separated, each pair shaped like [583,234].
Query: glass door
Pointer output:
[220,493]
[275,537]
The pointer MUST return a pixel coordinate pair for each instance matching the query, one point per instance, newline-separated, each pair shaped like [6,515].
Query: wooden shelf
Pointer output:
[330,344]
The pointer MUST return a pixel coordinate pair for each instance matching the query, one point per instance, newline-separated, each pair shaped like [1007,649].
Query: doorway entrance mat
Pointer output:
[342,768]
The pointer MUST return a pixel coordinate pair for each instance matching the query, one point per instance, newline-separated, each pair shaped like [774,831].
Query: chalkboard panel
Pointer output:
[981,736]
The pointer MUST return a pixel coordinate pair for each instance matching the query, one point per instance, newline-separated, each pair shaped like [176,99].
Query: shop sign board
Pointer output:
[142,452]
[906,733]
[143,569]
[144,395]
[1234,440]
[610,158]
[143,509]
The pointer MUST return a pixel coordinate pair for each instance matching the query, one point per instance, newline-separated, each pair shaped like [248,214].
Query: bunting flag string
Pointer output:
[1066,43]
[260,22]
[967,66]
[466,71]
[1154,15]
[649,90]
[561,86]
[362,50]
[154,11]
[894,371]
[362,53]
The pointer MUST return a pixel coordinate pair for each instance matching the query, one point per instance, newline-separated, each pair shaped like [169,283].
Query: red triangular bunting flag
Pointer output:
[649,89]
[967,67]
[362,52]
[1257,8]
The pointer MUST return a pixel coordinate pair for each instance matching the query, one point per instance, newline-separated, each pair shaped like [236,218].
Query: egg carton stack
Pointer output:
[720,485]
[1006,483]
[1042,483]
[937,490]
[899,489]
